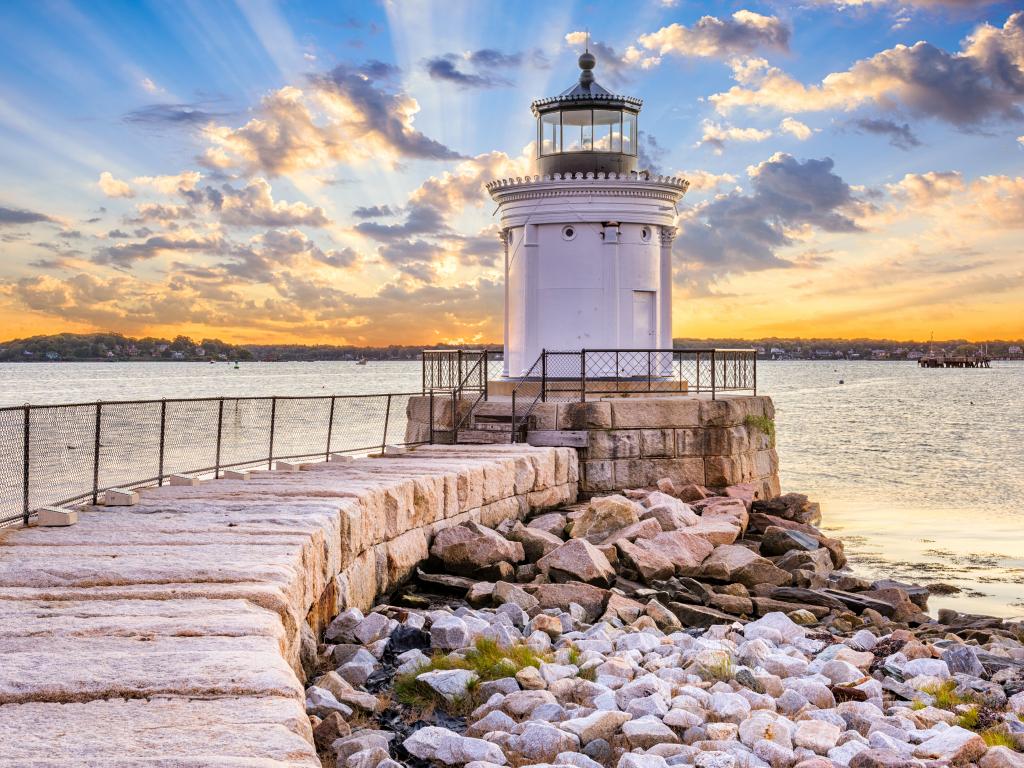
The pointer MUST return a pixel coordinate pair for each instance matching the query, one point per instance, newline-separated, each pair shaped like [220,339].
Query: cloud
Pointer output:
[743,33]
[650,153]
[373,211]
[173,115]
[127,254]
[484,61]
[716,135]
[166,185]
[927,4]
[795,128]
[612,67]
[254,205]
[924,189]
[149,86]
[703,181]
[112,187]
[900,136]
[9,216]
[738,232]
[982,82]
[345,116]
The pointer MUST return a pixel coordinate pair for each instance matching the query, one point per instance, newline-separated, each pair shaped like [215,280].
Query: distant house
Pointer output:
[823,353]
[1015,351]
[915,354]
[52,355]
[879,354]
[161,348]
[177,355]
[200,352]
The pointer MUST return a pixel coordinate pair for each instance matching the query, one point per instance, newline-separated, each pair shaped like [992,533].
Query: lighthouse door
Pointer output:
[644,325]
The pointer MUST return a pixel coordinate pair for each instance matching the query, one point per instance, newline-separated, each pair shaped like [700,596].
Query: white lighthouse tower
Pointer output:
[588,241]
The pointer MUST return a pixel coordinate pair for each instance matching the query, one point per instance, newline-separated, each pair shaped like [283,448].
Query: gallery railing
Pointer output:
[574,375]
[446,370]
[65,454]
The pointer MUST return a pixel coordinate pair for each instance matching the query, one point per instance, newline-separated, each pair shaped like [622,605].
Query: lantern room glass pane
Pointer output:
[577,131]
[629,133]
[607,130]
[550,133]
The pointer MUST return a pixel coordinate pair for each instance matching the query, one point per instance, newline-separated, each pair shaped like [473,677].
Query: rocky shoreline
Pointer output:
[661,627]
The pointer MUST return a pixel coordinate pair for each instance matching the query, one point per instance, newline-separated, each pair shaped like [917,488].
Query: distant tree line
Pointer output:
[115,346]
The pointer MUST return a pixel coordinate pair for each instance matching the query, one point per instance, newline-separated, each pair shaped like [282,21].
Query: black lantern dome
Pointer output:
[586,128]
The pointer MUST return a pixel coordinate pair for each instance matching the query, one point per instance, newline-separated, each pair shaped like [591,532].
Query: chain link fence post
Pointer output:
[273,418]
[330,429]
[27,439]
[96,455]
[387,417]
[163,432]
[220,428]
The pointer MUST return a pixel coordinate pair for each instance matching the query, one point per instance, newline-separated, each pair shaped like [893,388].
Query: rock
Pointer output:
[577,560]
[604,515]
[372,628]
[862,640]
[592,599]
[732,562]
[329,730]
[510,593]
[762,726]
[449,633]
[529,678]
[540,742]
[663,617]
[645,529]
[340,629]
[443,746]
[686,551]
[962,659]
[549,625]
[321,702]
[495,720]
[522,703]
[714,758]
[879,758]
[816,735]
[451,684]
[635,760]
[597,725]
[691,493]
[955,744]
[928,667]
[1001,757]
[902,607]
[645,732]
[670,513]
[536,542]
[791,506]
[551,522]
[650,565]
[779,541]
[465,549]
[729,707]
[699,616]
[843,753]
[367,758]
[480,594]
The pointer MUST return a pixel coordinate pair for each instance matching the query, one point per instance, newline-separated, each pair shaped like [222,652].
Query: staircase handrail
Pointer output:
[540,361]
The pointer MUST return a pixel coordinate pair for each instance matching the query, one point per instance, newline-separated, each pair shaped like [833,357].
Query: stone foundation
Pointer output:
[635,441]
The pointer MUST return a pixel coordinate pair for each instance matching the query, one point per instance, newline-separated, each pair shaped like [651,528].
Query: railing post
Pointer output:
[387,417]
[486,372]
[755,373]
[713,374]
[649,385]
[160,460]
[512,436]
[583,375]
[455,419]
[423,371]
[698,371]
[543,375]
[27,438]
[220,429]
[430,418]
[273,419]
[330,429]
[96,455]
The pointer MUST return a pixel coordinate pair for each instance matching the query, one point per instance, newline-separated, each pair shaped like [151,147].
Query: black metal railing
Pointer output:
[64,454]
[446,370]
[570,376]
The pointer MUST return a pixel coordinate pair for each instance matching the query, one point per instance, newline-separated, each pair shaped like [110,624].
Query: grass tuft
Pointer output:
[946,696]
[996,738]
[763,424]
[722,670]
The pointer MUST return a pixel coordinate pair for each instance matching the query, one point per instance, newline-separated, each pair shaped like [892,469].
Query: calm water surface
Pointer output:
[921,472]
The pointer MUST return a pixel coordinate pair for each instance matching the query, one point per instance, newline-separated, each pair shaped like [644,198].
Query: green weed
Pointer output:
[762,423]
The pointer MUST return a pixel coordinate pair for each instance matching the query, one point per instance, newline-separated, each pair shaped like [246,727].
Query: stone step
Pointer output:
[482,436]
[493,426]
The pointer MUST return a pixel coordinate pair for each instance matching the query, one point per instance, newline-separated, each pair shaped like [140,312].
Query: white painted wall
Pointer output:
[579,292]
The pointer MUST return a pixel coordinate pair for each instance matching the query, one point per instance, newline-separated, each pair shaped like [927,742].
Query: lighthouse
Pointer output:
[588,239]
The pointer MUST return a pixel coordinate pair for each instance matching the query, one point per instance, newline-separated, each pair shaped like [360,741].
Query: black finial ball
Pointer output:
[587,61]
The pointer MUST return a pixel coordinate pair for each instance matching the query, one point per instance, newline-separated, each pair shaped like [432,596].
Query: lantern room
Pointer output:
[586,128]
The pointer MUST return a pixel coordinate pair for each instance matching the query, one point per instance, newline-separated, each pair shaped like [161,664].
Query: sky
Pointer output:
[272,171]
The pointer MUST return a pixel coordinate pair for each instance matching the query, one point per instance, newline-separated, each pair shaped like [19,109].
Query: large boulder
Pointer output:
[645,529]
[716,530]
[577,560]
[536,541]
[736,563]
[779,541]
[465,549]
[685,550]
[440,745]
[592,599]
[651,565]
[603,516]
[791,506]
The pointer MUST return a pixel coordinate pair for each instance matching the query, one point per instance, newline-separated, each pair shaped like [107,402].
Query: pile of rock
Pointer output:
[659,628]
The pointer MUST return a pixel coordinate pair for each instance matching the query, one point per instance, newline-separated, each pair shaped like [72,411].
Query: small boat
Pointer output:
[361,361]
[236,365]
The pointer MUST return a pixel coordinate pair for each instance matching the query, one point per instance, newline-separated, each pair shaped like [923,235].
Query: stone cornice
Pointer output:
[670,188]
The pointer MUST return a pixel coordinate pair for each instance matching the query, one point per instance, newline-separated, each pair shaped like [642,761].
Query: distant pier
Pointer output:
[955,361]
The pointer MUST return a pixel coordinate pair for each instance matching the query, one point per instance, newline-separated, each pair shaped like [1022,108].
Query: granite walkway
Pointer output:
[172,633]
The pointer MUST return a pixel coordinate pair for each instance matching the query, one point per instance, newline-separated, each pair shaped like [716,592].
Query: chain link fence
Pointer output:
[63,454]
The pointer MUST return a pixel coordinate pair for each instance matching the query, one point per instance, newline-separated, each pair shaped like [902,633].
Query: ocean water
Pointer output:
[920,472]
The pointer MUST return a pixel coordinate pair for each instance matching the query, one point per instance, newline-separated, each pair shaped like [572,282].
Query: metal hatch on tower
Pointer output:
[586,128]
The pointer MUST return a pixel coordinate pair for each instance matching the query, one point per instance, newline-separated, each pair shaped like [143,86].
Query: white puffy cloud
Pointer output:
[254,205]
[703,181]
[983,81]
[711,37]
[795,128]
[716,135]
[167,185]
[112,187]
